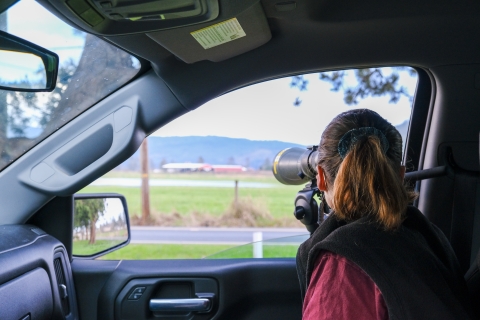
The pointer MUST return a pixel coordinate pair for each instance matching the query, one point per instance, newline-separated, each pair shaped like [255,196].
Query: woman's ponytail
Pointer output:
[361,153]
[366,184]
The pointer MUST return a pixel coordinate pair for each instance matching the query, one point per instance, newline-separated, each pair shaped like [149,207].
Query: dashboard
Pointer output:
[35,278]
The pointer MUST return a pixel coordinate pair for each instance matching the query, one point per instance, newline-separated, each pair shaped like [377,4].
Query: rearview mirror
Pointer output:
[24,66]
[101,224]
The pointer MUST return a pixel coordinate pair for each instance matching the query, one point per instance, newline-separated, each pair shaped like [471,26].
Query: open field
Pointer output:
[270,205]
[186,200]
[209,202]
[252,176]
[197,251]
[269,251]
[164,251]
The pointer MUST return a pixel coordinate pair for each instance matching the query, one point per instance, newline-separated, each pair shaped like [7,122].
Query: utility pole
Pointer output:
[145,185]
[236,195]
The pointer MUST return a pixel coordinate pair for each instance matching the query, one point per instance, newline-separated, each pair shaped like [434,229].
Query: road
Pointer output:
[235,236]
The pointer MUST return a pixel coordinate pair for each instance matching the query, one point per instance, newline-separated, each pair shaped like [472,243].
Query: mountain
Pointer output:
[213,150]
[403,129]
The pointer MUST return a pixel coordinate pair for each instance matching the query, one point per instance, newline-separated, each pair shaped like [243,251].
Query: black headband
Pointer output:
[350,138]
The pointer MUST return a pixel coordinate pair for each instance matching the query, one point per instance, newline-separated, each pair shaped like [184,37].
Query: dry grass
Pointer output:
[247,212]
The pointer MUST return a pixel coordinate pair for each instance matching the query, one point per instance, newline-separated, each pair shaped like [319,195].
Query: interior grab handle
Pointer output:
[187,305]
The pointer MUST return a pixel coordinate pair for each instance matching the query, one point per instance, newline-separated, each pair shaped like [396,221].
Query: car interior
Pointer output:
[190,52]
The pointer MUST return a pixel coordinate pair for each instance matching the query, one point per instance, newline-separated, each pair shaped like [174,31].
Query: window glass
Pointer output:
[90,69]
[211,187]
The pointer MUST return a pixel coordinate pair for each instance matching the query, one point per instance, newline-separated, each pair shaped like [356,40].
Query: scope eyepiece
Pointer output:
[295,166]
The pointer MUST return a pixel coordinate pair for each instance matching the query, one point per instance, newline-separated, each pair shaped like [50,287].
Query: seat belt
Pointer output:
[465,186]
[476,228]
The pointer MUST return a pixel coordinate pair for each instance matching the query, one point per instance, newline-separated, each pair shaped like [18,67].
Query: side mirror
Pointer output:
[101,224]
[25,66]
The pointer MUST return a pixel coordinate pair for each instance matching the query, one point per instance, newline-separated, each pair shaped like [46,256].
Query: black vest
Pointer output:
[414,267]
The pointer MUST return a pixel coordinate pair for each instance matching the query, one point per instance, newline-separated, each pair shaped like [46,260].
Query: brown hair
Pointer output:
[366,182]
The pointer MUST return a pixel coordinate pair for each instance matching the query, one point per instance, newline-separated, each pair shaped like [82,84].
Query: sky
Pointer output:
[265,111]
[113,210]
[15,66]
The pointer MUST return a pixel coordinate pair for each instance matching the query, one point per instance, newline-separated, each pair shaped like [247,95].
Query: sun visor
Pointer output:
[229,35]
[120,17]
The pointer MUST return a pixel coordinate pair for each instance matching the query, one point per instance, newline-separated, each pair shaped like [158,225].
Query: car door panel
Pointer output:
[242,288]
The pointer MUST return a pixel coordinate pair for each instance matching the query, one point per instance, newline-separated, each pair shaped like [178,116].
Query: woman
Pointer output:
[375,257]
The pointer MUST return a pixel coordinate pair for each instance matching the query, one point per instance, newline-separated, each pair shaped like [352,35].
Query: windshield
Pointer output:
[89,70]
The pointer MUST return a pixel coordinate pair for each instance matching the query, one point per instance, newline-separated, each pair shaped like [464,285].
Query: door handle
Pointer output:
[186,305]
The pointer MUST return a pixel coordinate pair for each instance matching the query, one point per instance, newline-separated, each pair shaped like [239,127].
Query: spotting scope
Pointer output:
[295,166]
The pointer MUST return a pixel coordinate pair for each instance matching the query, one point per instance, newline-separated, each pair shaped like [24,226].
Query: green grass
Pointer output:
[197,251]
[185,200]
[269,251]
[164,251]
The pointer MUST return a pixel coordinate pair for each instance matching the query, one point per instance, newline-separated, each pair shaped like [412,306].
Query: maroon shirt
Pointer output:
[339,289]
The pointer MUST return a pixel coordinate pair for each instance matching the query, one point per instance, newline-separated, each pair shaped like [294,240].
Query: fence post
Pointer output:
[257,245]
[236,194]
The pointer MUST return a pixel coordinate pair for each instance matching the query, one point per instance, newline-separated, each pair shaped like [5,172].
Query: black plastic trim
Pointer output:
[56,219]
[72,313]
[418,120]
